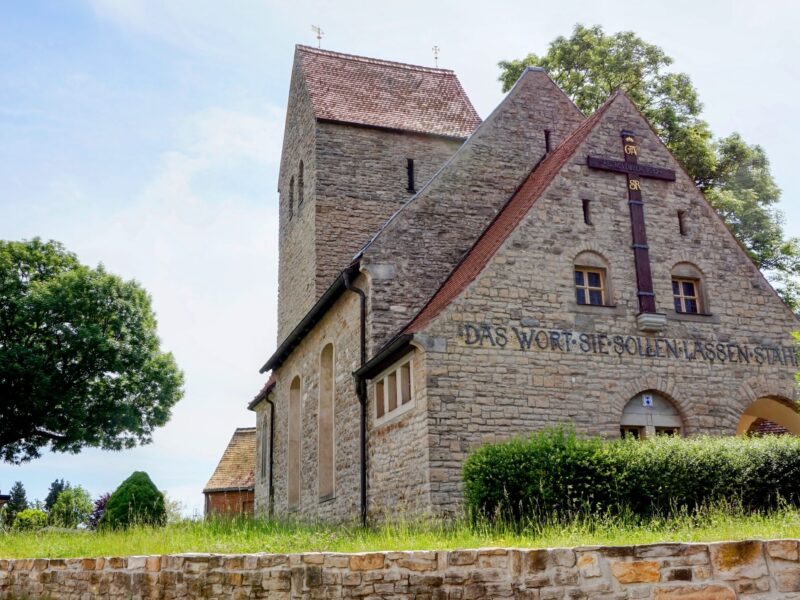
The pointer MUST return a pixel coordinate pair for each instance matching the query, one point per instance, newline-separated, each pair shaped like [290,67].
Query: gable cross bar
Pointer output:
[634,172]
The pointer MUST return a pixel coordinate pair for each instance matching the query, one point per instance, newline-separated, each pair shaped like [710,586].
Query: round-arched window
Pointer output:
[648,414]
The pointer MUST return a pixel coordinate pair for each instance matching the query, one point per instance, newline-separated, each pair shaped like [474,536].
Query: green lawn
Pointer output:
[239,536]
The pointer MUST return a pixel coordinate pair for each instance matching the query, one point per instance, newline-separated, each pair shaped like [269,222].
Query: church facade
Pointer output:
[446,282]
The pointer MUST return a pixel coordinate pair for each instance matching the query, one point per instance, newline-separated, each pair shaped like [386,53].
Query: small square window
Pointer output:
[686,295]
[394,392]
[590,286]
[636,433]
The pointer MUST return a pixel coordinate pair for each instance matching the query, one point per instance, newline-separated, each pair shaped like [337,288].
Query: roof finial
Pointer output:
[436,55]
[318,30]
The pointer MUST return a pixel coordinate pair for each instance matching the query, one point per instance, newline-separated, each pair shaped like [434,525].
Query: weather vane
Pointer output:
[320,33]
[436,55]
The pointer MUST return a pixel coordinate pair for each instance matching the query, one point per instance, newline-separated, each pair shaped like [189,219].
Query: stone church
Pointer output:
[446,282]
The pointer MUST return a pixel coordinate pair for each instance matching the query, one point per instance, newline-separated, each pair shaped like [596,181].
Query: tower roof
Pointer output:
[381,93]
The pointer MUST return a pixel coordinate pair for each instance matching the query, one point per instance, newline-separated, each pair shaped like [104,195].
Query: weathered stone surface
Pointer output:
[640,571]
[736,560]
[783,549]
[599,573]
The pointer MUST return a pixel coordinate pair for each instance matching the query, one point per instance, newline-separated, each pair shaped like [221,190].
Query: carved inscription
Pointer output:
[530,339]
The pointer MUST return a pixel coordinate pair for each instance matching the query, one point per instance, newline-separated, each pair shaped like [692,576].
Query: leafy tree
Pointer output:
[590,65]
[73,508]
[30,519]
[136,501]
[98,510]
[17,502]
[56,488]
[80,361]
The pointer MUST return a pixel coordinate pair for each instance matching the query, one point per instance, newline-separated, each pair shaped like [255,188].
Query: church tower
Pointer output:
[362,136]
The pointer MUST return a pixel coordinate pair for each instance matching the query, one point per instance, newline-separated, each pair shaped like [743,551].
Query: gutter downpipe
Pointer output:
[361,391]
[271,448]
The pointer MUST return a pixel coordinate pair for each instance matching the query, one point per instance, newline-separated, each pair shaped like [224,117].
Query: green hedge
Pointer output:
[556,474]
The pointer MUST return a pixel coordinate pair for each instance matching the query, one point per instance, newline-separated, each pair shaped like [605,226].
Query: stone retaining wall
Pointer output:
[721,571]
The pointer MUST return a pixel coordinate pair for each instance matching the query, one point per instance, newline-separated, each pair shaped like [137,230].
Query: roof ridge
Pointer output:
[374,61]
[554,161]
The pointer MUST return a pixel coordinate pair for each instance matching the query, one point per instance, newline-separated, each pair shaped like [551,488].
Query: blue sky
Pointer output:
[146,135]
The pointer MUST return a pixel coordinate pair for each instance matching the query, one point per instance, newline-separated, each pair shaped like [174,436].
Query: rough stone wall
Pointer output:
[340,326]
[361,181]
[399,478]
[488,390]
[419,247]
[261,492]
[720,571]
[296,264]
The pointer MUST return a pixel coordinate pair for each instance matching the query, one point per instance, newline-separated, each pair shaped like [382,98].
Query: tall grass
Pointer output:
[721,522]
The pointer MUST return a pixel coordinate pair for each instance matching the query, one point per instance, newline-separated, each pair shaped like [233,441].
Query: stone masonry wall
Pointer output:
[493,389]
[419,248]
[361,181]
[720,571]
[296,264]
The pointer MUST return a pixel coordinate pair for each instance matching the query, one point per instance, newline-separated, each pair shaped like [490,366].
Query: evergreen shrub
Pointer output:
[30,519]
[137,501]
[554,473]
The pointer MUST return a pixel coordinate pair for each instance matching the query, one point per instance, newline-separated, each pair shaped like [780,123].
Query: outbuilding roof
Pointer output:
[382,93]
[236,468]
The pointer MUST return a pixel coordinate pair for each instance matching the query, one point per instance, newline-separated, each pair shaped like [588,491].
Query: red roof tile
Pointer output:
[504,223]
[381,93]
[236,468]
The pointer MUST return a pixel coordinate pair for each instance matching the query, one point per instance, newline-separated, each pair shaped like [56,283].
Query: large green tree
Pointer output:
[80,361]
[735,176]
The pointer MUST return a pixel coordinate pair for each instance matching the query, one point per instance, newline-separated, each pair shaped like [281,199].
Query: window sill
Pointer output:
[597,309]
[326,499]
[692,317]
[395,415]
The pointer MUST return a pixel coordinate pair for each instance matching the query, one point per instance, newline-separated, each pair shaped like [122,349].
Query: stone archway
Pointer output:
[650,413]
[776,410]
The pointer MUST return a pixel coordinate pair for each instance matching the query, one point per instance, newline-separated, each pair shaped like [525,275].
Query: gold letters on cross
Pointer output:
[633,184]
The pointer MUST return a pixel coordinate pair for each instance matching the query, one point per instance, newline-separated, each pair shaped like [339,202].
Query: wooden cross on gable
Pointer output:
[635,171]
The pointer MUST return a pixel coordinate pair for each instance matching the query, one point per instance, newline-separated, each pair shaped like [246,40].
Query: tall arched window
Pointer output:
[327,444]
[291,197]
[294,447]
[648,414]
[300,184]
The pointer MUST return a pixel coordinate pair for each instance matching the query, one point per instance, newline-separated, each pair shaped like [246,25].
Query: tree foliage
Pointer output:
[136,501]
[55,489]
[590,65]
[17,502]
[30,519]
[80,361]
[72,508]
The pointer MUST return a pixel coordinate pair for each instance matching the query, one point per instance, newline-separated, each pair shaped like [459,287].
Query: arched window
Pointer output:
[327,395]
[300,184]
[592,281]
[291,197]
[294,447]
[688,291]
[648,414]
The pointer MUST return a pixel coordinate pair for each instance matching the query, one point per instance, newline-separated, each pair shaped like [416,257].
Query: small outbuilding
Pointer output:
[231,489]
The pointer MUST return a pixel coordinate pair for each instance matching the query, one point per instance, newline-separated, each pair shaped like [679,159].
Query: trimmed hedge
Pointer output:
[136,501]
[556,474]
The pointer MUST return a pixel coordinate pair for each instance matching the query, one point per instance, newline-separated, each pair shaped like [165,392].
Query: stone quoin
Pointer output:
[445,282]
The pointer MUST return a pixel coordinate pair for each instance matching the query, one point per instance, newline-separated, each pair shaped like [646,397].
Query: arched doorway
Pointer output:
[648,414]
[771,410]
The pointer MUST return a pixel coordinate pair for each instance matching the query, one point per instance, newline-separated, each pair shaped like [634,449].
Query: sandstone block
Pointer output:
[734,560]
[367,562]
[640,571]
[589,565]
[783,549]
[703,592]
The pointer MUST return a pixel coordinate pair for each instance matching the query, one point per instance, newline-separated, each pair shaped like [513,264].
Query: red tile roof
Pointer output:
[236,468]
[504,223]
[381,93]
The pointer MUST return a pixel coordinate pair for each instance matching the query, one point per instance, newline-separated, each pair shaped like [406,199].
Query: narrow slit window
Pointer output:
[391,387]
[682,222]
[547,140]
[587,211]
[405,383]
[379,400]
[300,185]
[410,173]
[291,197]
